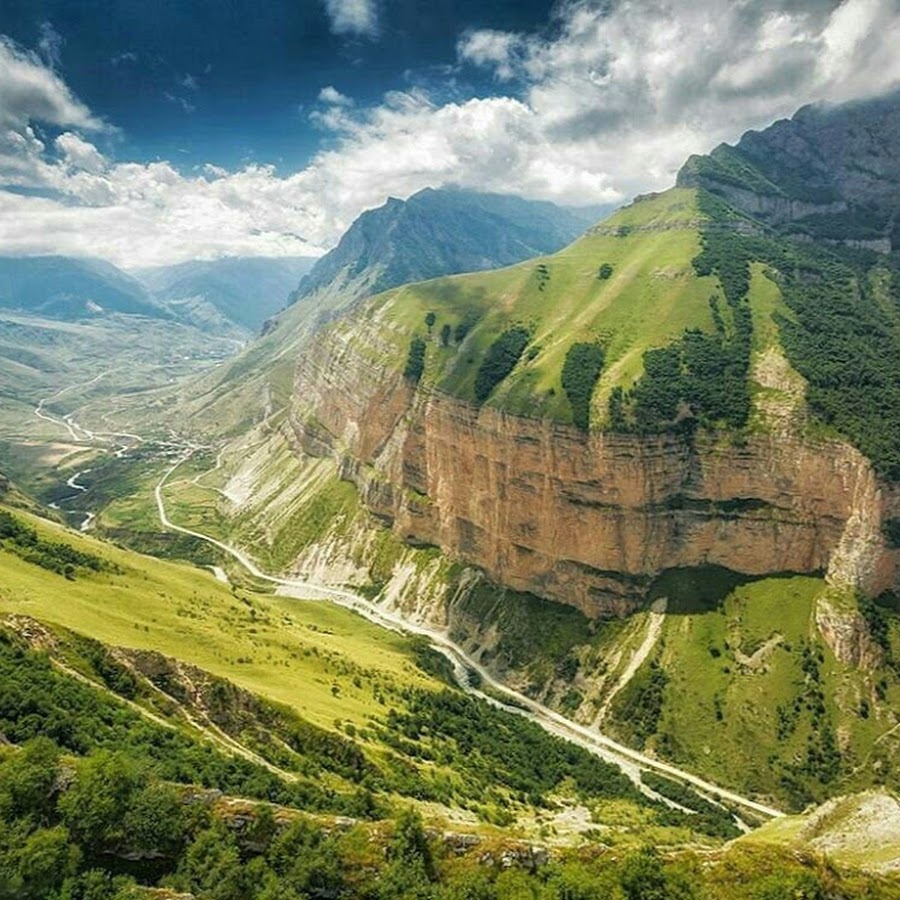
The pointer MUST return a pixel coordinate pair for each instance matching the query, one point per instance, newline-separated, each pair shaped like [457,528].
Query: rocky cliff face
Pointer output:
[588,520]
[832,167]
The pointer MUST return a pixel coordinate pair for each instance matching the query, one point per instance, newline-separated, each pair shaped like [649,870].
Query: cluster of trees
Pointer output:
[843,338]
[415,360]
[716,819]
[700,379]
[581,369]
[24,541]
[640,705]
[500,360]
[499,752]
[104,827]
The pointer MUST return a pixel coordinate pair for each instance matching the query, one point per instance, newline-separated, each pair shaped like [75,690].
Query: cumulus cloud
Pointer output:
[631,88]
[608,101]
[355,17]
[330,94]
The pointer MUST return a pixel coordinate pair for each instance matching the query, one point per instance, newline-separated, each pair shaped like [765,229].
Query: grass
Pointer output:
[652,295]
[737,701]
[304,654]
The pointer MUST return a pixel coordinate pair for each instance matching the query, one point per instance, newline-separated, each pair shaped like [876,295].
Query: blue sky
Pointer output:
[154,131]
[233,82]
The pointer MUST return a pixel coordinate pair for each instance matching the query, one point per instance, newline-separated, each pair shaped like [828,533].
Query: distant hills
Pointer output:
[433,233]
[59,287]
[441,232]
[241,291]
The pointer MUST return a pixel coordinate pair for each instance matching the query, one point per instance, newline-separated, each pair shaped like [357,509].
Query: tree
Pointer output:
[95,808]
[27,780]
[605,271]
[415,360]
[46,860]
[430,319]
[446,332]
[643,877]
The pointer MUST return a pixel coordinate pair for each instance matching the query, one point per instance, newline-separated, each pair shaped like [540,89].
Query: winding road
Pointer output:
[629,760]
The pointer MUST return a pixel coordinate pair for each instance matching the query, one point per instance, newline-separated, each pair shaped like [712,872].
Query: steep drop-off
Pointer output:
[588,518]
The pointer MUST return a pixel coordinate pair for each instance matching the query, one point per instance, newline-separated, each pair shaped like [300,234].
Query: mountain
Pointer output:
[70,289]
[440,232]
[434,232]
[652,479]
[830,172]
[240,292]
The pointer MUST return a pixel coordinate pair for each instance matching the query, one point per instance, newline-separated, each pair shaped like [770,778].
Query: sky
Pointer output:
[148,133]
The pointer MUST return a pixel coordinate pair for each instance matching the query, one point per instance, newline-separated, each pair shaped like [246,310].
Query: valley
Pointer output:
[530,552]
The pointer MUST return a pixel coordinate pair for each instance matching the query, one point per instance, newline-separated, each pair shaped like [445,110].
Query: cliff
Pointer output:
[589,520]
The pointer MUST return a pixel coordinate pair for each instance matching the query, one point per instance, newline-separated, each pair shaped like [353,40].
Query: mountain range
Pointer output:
[633,482]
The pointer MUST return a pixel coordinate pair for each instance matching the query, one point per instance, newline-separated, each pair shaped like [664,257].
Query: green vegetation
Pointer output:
[499,750]
[501,359]
[716,819]
[736,674]
[640,706]
[107,828]
[56,556]
[605,271]
[38,701]
[651,299]
[582,368]
[415,361]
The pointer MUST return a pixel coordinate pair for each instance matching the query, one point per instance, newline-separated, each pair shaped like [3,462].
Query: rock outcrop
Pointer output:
[588,520]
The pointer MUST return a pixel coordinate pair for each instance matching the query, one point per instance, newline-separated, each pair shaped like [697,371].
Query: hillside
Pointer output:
[59,287]
[439,232]
[646,417]
[435,232]
[155,718]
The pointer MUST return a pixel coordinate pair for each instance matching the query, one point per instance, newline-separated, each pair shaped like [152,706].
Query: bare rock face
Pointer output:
[837,163]
[590,520]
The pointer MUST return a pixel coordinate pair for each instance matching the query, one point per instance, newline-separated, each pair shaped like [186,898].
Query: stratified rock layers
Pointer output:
[586,520]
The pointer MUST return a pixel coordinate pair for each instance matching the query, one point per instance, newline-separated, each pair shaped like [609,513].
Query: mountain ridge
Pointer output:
[438,232]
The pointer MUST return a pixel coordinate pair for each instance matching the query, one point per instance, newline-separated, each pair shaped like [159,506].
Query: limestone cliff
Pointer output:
[588,520]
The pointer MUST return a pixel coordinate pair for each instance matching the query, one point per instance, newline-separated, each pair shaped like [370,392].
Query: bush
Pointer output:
[605,271]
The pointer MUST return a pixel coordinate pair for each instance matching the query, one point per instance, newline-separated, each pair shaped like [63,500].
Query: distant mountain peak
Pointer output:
[435,232]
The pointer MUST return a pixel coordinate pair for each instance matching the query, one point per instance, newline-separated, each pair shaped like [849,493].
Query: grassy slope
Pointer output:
[262,643]
[718,706]
[651,297]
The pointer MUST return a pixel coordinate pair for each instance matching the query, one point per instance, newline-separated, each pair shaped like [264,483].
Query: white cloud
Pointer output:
[330,94]
[607,103]
[359,17]
[33,92]
[499,49]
